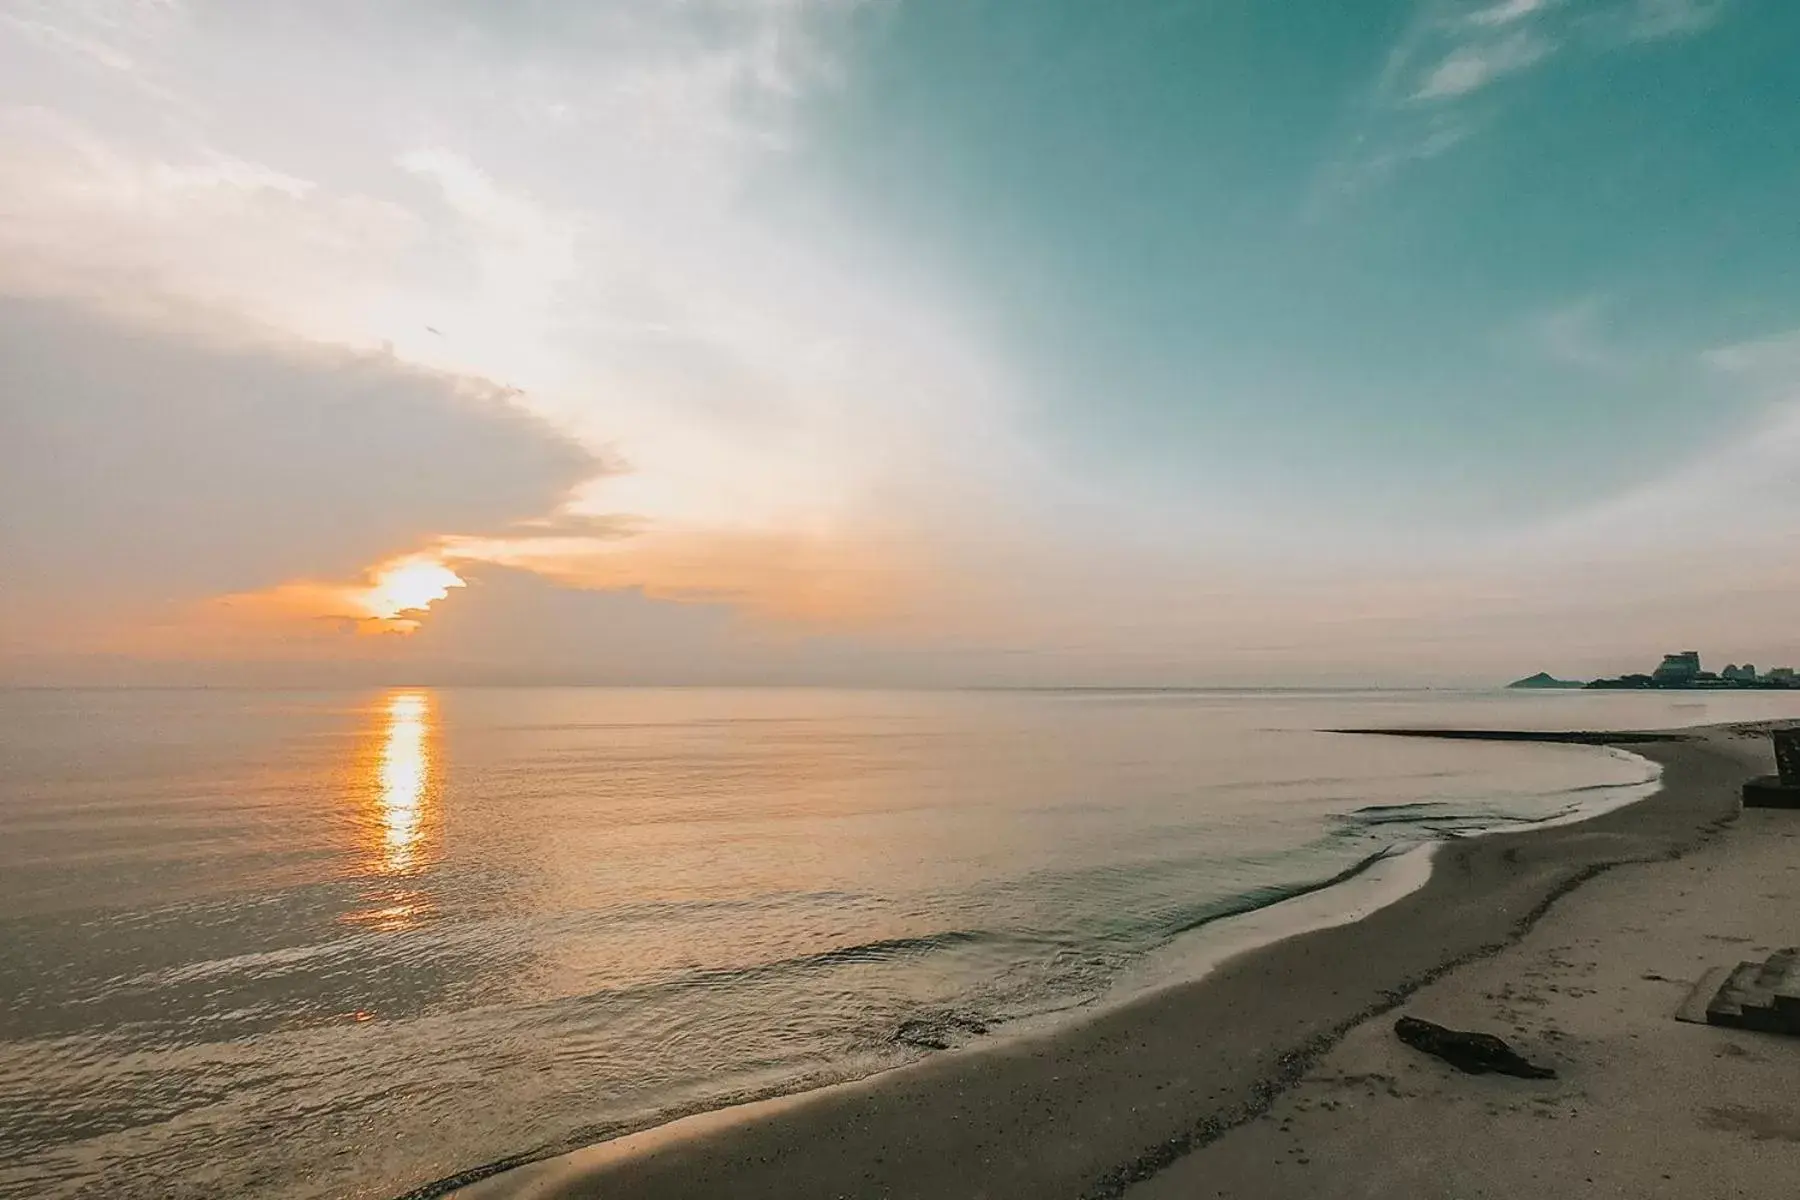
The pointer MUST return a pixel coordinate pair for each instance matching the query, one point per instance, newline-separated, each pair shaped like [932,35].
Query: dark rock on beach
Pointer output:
[1475,1053]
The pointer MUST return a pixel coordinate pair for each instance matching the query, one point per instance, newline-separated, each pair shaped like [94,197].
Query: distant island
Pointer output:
[1678,671]
[1544,679]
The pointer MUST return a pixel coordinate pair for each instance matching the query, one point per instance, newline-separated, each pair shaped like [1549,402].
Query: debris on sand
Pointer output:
[1475,1053]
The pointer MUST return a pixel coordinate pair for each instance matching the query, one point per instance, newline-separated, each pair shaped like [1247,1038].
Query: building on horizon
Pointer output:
[1680,668]
[1683,670]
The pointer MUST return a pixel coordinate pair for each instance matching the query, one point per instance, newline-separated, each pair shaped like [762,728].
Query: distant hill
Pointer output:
[1544,680]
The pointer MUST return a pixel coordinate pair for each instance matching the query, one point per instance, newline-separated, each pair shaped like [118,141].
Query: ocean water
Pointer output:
[294,945]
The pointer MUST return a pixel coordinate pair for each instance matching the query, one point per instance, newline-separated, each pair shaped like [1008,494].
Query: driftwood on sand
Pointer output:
[1476,1053]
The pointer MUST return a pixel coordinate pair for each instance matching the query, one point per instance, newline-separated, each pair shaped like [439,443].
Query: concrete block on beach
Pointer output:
[1787,754]
[1781,790]
[1767,791]
[1763,996]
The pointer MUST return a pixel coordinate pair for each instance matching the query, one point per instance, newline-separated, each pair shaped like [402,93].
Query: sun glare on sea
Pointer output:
[397,786]
[404,776]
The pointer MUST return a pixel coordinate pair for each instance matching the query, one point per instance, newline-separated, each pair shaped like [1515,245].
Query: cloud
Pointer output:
[815,580]
[515,625]
[392,597]
[1766,362]
[1472,67]
[582,202]
[114,36]
[1652,20]
[1416,109]
[1575,335]
[1736,498]
[1719,534]
[62,39]
[520,242]
[1506,12]
[95,217]
[1430,94]
[146,465]
[823,579]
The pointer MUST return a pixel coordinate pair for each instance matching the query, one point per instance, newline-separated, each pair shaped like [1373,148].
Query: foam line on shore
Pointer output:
[1372,883]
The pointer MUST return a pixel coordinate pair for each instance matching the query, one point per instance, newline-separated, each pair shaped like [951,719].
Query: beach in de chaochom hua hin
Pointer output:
[1276,1074]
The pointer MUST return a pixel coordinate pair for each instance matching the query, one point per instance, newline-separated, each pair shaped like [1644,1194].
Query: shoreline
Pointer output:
[1093,1107]
[1646,1103]
[1192,953]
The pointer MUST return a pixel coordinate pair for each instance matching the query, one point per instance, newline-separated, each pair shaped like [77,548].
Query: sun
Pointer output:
[408,585]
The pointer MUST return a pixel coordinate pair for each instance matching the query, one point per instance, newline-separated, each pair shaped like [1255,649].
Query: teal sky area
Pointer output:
[1217,239]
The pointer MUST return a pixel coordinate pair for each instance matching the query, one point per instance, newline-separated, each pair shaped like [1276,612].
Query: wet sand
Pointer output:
[1276,1075]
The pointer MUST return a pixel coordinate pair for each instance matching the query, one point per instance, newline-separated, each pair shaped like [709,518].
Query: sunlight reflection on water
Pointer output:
[396,779]
[404,773]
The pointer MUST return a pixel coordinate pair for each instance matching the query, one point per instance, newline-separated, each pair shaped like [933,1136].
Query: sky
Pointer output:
[896,342]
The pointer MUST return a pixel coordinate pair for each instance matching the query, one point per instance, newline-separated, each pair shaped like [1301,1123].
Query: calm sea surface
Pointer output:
[344,944]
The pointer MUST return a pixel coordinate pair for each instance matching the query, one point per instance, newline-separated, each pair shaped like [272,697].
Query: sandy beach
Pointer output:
[1643,1106]
[1278,1074]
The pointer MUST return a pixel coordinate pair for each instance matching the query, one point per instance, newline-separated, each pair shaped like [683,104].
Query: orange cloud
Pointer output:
[809,580]
[826,579]
[392,598]
[408,585]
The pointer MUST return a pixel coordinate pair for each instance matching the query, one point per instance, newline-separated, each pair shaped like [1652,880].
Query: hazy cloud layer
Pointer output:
[143,465]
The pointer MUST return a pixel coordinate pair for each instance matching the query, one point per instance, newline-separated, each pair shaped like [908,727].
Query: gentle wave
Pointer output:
[1263,897]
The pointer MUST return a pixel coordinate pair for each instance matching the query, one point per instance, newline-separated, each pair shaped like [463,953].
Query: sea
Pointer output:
[297,945]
